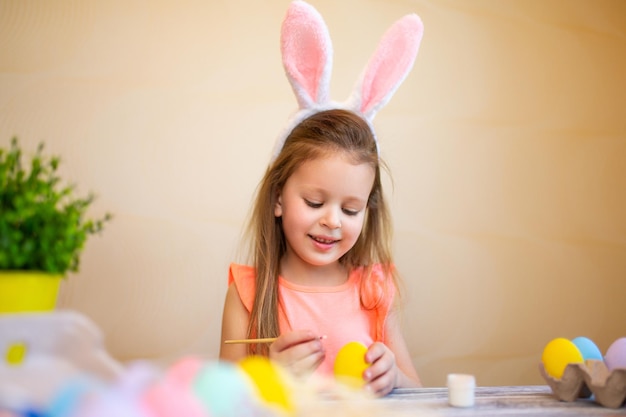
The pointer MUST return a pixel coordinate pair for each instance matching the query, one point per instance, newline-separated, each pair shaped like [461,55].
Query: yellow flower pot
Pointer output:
[25,291]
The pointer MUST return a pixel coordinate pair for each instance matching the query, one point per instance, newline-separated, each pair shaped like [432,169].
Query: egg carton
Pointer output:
[592,378]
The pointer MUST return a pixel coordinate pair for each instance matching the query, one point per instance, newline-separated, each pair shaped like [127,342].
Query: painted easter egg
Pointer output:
[587,348]
[350,364]
[172,395]
[184,371]
[557,354]
[167,398]
[111,403]
[225,390]
[271,381]
[615,357]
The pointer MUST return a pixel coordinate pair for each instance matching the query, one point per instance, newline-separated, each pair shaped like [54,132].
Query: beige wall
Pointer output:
[507,145]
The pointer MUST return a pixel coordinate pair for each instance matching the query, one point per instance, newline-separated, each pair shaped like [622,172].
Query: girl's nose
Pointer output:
[332,218]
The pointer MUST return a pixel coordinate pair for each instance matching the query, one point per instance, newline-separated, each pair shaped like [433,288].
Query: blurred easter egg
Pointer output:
[224,390]
[615,357]
[587,348]
[557,354]
[350,364]
[168,398]
[112,403]
[271,381]
[172,395]
[184,370]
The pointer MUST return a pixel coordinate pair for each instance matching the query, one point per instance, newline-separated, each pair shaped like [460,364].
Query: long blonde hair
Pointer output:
[331,131]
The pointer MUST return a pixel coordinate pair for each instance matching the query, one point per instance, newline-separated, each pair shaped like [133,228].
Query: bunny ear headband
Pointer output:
[307,58]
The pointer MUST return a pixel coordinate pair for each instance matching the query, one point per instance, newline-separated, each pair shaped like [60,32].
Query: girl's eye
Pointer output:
[312,204]
[350,212]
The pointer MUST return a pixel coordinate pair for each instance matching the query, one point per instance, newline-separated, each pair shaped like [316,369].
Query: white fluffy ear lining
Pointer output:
[388,66]
[307,54]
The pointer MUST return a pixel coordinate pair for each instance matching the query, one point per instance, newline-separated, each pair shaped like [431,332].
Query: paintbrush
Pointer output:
[249,341]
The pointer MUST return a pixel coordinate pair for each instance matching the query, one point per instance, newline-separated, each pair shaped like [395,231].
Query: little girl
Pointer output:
[321,271]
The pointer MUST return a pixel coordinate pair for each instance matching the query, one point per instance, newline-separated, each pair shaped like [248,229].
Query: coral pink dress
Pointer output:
[345,313]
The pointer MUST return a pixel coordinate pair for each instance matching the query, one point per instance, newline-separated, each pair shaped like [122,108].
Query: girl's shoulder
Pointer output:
[377,286]
[377,273]
[243,276]
[240,273]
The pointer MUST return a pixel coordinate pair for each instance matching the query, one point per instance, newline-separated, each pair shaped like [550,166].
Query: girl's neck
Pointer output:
[312,275]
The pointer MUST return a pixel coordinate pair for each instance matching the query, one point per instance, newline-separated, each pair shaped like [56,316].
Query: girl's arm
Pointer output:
[398,346]
[391,365]
[235,320]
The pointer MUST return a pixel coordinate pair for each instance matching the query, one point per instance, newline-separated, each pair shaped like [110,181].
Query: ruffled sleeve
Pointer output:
[244,278]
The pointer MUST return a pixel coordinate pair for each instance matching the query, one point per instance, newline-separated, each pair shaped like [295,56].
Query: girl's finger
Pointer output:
[289,339]
[308,364]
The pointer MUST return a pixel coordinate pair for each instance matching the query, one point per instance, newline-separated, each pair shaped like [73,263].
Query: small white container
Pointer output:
[461,390]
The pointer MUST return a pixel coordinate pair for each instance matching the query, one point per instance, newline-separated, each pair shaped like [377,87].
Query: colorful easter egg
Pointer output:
[271,381]
[112,403]
[350,364]
[587,348]
[557,354]
[165,399]
[172,395]
[184,370]
[615,357]
[225,390]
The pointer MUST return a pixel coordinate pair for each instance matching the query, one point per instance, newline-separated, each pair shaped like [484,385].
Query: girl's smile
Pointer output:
[323,242]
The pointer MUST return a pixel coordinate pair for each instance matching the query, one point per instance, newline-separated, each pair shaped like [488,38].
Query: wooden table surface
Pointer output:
[492,401]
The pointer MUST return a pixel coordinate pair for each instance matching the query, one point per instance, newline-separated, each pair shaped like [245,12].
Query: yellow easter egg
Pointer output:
[271,381]
[350,364]
[557,354]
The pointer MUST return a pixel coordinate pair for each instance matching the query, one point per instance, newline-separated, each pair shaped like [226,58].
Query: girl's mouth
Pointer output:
[323,241]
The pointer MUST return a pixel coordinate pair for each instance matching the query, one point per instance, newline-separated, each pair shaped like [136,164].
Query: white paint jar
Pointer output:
[461,390]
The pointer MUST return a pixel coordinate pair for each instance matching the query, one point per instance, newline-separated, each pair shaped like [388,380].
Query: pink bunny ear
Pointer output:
[307,54]
[389,65]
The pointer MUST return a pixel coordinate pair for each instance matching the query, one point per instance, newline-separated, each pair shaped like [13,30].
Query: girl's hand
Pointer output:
[299,351]
[382,374]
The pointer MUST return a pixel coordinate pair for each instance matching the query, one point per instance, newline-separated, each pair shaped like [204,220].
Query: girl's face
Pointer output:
[322,206]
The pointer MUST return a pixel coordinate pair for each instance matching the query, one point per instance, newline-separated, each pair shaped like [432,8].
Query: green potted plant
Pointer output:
[43,229]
